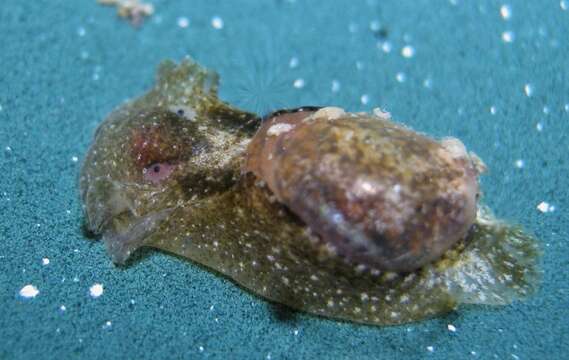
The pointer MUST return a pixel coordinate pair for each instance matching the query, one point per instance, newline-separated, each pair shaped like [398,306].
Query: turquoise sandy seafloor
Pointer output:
[495,74]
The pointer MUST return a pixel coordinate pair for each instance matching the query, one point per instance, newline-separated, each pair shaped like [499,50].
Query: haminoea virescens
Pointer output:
[345,215]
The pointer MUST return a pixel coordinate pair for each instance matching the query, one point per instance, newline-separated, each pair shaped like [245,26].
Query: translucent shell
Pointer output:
[376,192]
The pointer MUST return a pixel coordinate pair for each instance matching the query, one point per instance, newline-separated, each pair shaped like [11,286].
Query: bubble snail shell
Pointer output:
[345,215]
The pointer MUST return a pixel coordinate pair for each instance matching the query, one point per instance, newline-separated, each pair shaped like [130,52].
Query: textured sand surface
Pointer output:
[496,77]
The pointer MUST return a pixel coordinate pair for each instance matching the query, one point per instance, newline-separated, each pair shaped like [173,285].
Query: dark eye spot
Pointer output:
[180,112]
[158,172]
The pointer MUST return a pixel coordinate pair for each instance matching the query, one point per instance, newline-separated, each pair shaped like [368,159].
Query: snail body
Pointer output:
[348,216]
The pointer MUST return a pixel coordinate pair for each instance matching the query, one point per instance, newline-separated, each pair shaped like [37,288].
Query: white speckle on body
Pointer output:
[519,163]
[96,290]
[493,110]
[539,127]
[279,129]
[81,31]
[451,328]
[62,308]
[299,83]
[564,5]
[364,99]
[74,159]
[29,291]
[430,348]
[45,261]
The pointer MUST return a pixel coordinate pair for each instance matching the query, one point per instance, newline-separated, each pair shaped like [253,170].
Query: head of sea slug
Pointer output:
[164,151]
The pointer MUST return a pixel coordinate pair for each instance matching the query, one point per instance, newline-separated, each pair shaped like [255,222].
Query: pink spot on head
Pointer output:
[157,172]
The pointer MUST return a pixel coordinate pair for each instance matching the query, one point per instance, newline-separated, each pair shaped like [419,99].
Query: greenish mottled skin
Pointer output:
[206,202]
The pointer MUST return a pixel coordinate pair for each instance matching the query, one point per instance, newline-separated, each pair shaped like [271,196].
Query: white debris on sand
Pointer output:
[29,291]
[545,207]
[133,10]
[96,290]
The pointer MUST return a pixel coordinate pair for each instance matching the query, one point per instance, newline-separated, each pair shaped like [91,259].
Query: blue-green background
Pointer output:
[64,64]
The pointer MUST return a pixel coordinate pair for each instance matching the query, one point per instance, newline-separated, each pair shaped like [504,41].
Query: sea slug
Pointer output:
[344,215]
